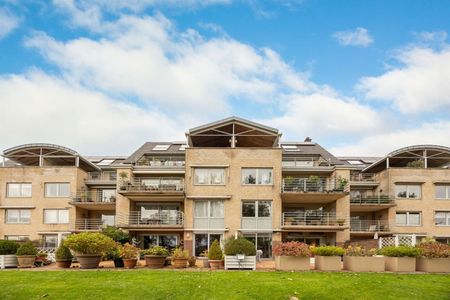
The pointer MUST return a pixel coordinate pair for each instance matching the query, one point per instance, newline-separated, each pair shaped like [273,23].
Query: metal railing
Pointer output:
[320,185]
[371,200]
[301,162]
[149,219]
[102,176]
[313,218]
[89,224]
[93,196]
[154,184]
[369,225]
[161,162]
[362,177]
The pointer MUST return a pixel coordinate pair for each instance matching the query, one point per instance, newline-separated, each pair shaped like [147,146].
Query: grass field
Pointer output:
[149,284]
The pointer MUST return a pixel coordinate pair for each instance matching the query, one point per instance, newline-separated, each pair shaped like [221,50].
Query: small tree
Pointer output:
[215,253]
[27,249]
[116,234]
[63,252]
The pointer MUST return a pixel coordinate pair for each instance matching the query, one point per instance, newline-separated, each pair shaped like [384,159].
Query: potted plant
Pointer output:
[292,256]
[180,258]
[400,259]
[204,258]
[123,180]
[340,221]
[8,251]
[192,260]
[328,258]
[434,257]
[240,253]
[63,256]
[359,259]
[129,253]
[89,247]
[155,257]
[114,255]
[26,255]
[314,183]
[342,182]
[289,184]
[215,256]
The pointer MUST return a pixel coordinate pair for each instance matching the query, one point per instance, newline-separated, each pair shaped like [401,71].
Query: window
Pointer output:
[56,216]
[204,176]
[262,241]
[18,189]
[204,240]
[50,240]
[108,220]
[257,176]
[161,147]
[442,218]
[57,189]
[408,218]
[443,191]
[408,191]
[443,240]
[105,162]
[169,241]
[209,209]
[108,195]
[252,209]
[16,237]
[18,216]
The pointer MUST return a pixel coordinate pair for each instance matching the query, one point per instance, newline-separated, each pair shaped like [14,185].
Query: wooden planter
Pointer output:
[155,261]
[129,263]
[63,263]
[89,261]
[231,262]
[364,263]
[8,261]
[215,264]
[328,263]
[179,263]
[26,261]
[400,264]
[292,263]
[433,265]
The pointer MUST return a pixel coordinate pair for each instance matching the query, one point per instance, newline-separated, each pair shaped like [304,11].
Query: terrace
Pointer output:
[101,178]
[95,200]
[137,219]
[314,219]
[369,227]
[153,185]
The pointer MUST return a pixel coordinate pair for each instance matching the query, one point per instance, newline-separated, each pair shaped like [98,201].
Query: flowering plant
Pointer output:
[434,250]
[292,249]
[359,251]
[128,251]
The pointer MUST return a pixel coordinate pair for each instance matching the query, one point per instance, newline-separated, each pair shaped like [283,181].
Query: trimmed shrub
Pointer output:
[239,246]
[89,243]
[8,247]
[328,251]
[116,234]
[156,250]
[27,248]
[180,253]
[292,249]
[215,253]
[359,251]
[434,250]
[63,252]
[400,251]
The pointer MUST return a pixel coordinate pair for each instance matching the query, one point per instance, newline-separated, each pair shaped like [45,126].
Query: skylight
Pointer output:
[161,147]
[290,148]
[355,162]
[105,162]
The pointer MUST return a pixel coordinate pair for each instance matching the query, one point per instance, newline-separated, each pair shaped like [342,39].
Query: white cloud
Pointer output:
[8,22]
[438,36]
[359,37]
[420,84]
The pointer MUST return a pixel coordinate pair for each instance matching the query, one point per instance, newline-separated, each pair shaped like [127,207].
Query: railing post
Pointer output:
[396,241]
[413,240]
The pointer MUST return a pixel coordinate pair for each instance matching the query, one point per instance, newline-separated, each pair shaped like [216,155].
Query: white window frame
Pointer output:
[21,184]
[19,221]
[447,191]
[407,218]
[58,216]
[407,191]
[256,202]
[209,240]
[58,189]
[447,218]
[209,178]
[257,176]
[16,237]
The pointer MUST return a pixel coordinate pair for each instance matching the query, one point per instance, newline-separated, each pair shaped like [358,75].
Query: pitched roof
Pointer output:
[147,148]
[311,149]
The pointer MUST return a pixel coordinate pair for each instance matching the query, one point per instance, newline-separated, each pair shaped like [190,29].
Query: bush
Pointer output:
[400,251]
[434,250]
[156,250]
[328,251]
[128,251]
[359,251]
[8,247]
[180,253]
[116,234]
[27,248]
[113,253]
[239,246]
[292,249]
[89,243]
[63,252]
[215,253]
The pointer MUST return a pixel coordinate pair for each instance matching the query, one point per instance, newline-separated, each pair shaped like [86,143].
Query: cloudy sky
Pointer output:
[104,76]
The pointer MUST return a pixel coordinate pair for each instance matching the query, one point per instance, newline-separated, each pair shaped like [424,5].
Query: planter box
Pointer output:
[433,265]
[8,261]
[292,263]
[155,261]
[400,264]
[364,263]
[231,262]
[26,261]
[328,263]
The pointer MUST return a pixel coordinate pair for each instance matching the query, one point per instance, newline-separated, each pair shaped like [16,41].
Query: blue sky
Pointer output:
[359,77]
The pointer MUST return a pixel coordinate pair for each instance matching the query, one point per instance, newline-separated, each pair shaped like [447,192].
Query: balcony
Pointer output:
[370,203]
[313,220]
[95,200]
[363,180]
[306,163]
[88,225]
[254,224]
[208,223]
[312,189]
[136,219]
[170,186]
[369,227]
[166,164]
[101,178]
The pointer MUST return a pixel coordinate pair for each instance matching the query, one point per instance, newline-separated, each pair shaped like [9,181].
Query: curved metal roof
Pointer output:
[39,145]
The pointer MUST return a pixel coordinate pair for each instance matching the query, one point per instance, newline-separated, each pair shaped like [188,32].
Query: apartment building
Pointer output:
[229,178]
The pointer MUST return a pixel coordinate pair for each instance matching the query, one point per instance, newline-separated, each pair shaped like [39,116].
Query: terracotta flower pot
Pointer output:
[155,261]
[215,264]
[63,263]
[129,263]
[26,261]
[180,263]
[89,261]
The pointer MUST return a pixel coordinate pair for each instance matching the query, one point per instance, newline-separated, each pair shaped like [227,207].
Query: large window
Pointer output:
[442,218]
[57,189]
[18,216]
[169,241]
[262,241]
[443,191]
[50,240]
[56,216]
[209,209]
[408,218]
[258,176]
[252,209]
[209,176]
[204,240]
[18,189]
[411,191]
[108,195]
[17,237]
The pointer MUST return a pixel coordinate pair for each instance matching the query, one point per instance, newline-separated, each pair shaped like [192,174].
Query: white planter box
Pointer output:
[8,261]
[249,262]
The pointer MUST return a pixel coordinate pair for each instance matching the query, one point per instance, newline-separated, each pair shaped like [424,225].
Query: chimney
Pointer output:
[308,139]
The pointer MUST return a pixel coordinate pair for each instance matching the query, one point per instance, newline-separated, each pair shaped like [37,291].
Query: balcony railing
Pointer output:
[102,176]
[155,185]
[371,200]
[362,177]
[149,219]
[320,185]
[313,218]
[89,225]
[369,225]
[93,196]
[161,162]
[301,162]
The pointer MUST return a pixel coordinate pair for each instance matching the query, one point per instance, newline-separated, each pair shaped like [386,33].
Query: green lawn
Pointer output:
[169,284]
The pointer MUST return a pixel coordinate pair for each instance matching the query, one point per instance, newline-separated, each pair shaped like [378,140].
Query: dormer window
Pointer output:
[161,147]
